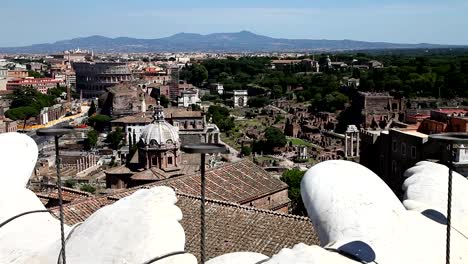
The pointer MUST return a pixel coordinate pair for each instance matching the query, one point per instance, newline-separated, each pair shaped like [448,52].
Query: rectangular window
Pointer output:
[394,146]
[413,152]
[403,149]
[169,160]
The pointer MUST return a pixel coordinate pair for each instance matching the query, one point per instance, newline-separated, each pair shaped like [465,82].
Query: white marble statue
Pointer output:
[134,229]
[355,213]
[357,217]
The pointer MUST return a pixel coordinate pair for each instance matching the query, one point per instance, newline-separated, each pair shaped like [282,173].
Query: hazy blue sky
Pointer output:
[32,21]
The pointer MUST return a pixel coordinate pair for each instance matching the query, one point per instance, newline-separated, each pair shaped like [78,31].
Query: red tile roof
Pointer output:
[239,182]
[230,227]
[68,194]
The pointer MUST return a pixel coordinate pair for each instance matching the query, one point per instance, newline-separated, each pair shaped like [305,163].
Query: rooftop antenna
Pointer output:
[57,133]
[454,141]
[203,149]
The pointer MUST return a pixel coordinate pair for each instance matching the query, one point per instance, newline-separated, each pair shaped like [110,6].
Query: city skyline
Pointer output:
[386,21]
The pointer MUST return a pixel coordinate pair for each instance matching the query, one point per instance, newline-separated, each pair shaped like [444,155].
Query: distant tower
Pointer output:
[174,85]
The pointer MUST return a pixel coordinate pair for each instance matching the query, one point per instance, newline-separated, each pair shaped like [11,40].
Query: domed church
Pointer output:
[158,156]
[159,144]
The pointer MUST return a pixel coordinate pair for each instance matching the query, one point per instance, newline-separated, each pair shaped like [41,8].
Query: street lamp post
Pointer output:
[203,149]
[57,133]
[450,139]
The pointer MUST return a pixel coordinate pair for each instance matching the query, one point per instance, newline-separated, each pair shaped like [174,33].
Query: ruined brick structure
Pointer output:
[125,99]
[378,109]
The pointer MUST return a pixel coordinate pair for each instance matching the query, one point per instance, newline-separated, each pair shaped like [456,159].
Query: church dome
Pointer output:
[159,132]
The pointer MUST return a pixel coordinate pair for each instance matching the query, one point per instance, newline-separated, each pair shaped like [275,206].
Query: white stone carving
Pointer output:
[134,229]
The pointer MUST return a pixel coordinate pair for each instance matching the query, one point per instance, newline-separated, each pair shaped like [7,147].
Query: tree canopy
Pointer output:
[409,73]
[195,74]
[258,101]
[275,137]
[35,74]
[92,109]
[21,113]
[221,117]
[99,122]
[91,139]
[115,138]
[293,179]
[164,101]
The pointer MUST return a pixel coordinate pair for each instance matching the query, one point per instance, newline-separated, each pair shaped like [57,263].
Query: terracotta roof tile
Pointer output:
[230,227]
[238,182]
[68,194]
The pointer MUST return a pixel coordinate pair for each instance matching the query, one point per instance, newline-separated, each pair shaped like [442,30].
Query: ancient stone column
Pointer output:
[357,144]
[346,144]
[352,144]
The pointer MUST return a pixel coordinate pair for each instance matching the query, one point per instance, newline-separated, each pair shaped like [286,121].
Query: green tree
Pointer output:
[195,107]
[88,188]
[293,179]
[28,96]
[274,138]
[114,138]
[99,122]
[198,74]
[356,73]
[164,101]
[92,109]
[70,183]
[223,77]
[35,74]
[331,102]
[276,91]
[23,96]
[221,117]
[91,140]
[22,113]
[258,101]
[210,97]
[57,91]
[246,150]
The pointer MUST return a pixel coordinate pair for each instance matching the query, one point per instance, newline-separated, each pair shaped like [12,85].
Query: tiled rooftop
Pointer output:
[238,182]
[138,118]
[68,195]
[168,114]
[173,112]
[230,227]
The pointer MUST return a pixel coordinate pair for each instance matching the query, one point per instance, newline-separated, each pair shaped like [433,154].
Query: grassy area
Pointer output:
[238,111]
[231,141]
[298,142]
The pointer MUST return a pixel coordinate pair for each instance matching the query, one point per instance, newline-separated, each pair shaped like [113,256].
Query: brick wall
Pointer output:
[271,201]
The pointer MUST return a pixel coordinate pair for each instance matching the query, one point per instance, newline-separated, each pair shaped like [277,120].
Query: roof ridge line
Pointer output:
[249,208]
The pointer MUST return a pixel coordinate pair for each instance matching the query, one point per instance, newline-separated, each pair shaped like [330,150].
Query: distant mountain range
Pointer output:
[243,41]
